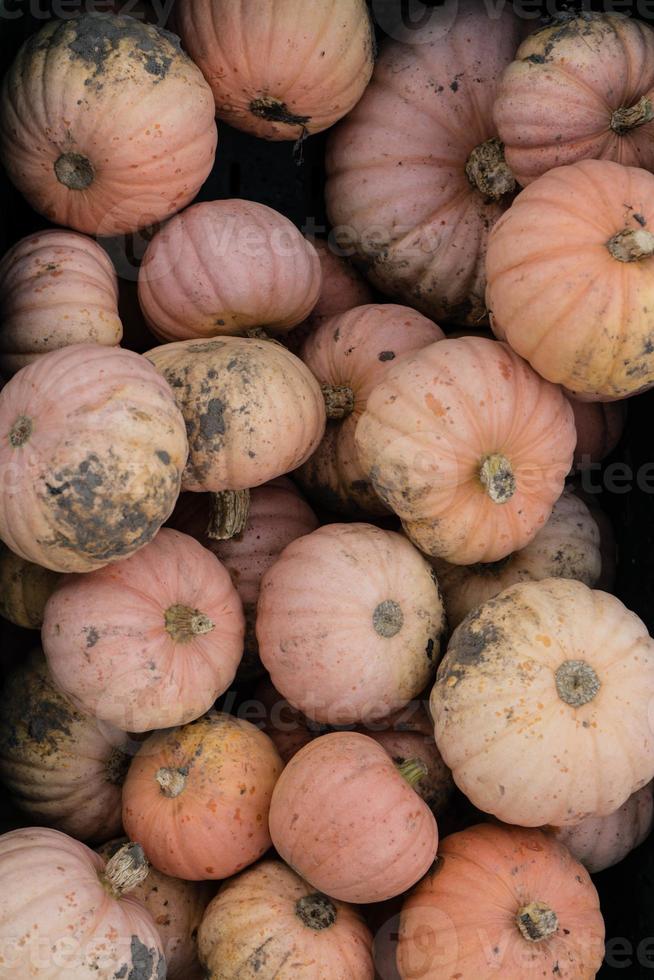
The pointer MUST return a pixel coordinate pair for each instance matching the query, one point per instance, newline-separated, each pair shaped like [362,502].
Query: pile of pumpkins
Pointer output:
[426,603]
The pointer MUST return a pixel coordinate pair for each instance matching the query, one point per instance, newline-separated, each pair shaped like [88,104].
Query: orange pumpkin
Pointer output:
[599,428]
[24,589]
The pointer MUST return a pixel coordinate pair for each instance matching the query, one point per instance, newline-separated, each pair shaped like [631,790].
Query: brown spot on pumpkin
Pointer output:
[212,421]
[387,355]
[163,456]
[273,110]
[92,635]
[434,405]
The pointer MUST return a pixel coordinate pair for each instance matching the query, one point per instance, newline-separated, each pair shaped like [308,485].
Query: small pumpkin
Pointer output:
[469,447]
[225,267]
[543,691]
[347,820]
[150,642]
[349,623]
[317,62]
[350,354]
[599,428]
[24,589]
[197,797]
[56,288]
[505,901]
[92,449]
[269,922]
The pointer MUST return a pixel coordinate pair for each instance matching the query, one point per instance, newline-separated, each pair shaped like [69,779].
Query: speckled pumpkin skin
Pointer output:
[24,589]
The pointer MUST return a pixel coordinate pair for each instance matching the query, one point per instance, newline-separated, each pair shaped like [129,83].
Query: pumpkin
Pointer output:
[599,428]
[350,354]
[608,545]
[224,267]
[277,68]
[579,89]
[268,922]
[416,174]
[56,288]
[24,589]
[177,908]
[66,913]
[197,797]
[349,623]
[505,901]
[286,727]
[347,820]
[92,451]
[435,786]
[150,642]
[568,546]
[469,447]
[542,704]
[571,278]
[61,767]
[106,126]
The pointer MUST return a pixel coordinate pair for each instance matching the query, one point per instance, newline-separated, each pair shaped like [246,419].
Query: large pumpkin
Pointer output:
[225,267]
[56,288]
[106,126]
[571,278]
[579,89]
[92,451]
[416,175]
[503,902]
[24,589]
[278,68]
[350,354]
[542,704]
[349,623]
[469,447]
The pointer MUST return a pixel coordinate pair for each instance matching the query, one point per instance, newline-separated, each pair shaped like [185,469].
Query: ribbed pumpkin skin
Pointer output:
[516,748]
[24,589]
[254,924]
[433,421]
[92,447]
[224,267]
[461,918]
[397,189]
[56,288]
[556,101]
[599,428]
[278,68]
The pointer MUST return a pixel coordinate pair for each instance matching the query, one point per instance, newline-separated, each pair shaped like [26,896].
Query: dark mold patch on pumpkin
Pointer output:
[46,720]
[97,36]
[212,422]
[272,110]
[387,355]
[147,963]
[473,640]
[163,456]
[92,636]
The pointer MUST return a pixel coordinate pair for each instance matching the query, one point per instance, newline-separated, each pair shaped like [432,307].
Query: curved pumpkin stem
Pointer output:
[536,921]
[339,400]
[631,245]
[412,770]
[229,515]
[497,479]
[627,118]
[487,170]
[125,870]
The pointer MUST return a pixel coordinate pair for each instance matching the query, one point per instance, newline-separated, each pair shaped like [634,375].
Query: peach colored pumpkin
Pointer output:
[269,922]
[150,642]
[435,786]
[571,278]
[349,623]
[66,914]
[63,768]
[568,546]
[224,267]
[581,89]
[469,447]
[608,544]
[280,69]
[416,176]
[599,428]
[106,126]
[344,817]
[506,902]
[24,589]
[350,354]
[56,288]
[197,797]
[542,704]
[92,451]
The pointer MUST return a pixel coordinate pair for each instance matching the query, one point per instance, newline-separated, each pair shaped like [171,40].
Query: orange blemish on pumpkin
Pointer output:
[545,640]
[435,405]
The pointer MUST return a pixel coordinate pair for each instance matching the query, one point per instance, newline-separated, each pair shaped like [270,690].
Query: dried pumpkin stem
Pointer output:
[536,921]
[497,479]
[74,171]
[630,117]
[339,400]
[125,870]
[413,770]
[316,911]
[229,514]
[184,623]
[171,781]
[388,618]
[631,245]
[487,170]
[576,682]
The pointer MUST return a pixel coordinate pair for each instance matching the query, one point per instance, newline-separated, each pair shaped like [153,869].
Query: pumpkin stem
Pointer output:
[171,781]
[20,431]
[576,682]
[125,870]
[388,618]
[536,921]
[339,400]
[117,766]
[413,770]
[497,478]
[631,245]
[316,911]
[184,623]
[487,170]
[629,117]
[74,171]
[229,514]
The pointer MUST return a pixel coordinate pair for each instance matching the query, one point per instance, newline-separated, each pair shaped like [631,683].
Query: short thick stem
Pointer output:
[229,515]
[171,781]
[388,618]
[627,118]
[412,770]
[576,682]
[487,170]
[125,870]
[536,921]
[74,171]
[631,245]
[339,401]
[497,479]
[184,623]
[316,911]
[20,431]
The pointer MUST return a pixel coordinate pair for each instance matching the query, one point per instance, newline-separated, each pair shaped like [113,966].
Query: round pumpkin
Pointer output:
[92,451]
[24,589]
[581,89]
[571,278]
[197,797]
[542,704]
[416,174]
[568,546]
[502,901]
[64,913]
[106,126]
[280,69]
[349,623]
[150,642]
[56,288]
[345,818]
[224,267]
[350,354]
[268,922]
[599,428]
[469,447]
